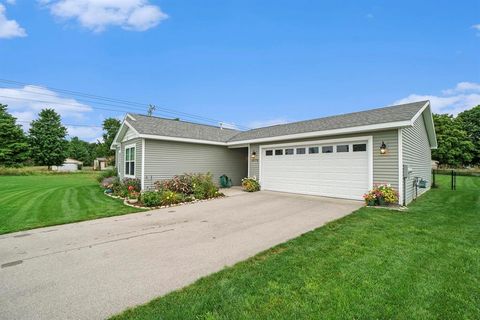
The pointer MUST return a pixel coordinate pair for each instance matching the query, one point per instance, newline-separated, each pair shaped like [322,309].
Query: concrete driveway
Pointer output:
[97,268]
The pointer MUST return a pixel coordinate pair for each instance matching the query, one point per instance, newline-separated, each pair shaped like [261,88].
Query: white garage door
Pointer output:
[338,170]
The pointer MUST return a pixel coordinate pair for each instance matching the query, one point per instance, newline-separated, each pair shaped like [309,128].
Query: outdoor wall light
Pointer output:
[383,148]
[254,155]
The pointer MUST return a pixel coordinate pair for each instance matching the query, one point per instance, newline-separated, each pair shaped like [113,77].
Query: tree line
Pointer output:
[46,142]
[458,138]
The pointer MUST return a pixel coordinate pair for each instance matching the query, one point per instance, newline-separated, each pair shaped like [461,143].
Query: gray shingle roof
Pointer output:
[179,129]
[182,129]
[404,112]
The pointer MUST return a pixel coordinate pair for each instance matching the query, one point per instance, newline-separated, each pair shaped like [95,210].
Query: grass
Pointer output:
[43,200]
[373,264]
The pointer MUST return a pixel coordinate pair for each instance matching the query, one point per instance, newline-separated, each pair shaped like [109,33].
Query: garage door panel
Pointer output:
[343,174]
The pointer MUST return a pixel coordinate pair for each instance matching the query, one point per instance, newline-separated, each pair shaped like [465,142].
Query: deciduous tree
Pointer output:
[454,145]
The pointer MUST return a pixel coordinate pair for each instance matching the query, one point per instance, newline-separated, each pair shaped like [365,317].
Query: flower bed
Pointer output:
[181,189]
[381,195]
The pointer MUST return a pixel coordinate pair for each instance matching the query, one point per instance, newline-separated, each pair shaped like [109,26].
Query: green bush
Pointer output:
[170,197]
[132,182]
[151,199]
[106,174]
[119,189]
[250,184]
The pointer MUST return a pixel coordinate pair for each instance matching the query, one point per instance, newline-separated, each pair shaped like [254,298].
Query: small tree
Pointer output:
[13,142]
[48,145]
[110,128]
[79,150]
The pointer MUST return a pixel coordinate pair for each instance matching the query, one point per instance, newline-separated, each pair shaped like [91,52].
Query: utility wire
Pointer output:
[130,104]
[67,124]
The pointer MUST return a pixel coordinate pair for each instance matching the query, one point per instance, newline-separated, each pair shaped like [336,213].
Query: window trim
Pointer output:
[304,151]
[342,145]
[357,144]
[328,146]
[134,147]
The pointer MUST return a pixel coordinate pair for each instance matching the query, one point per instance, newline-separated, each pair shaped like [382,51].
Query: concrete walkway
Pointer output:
[97,268]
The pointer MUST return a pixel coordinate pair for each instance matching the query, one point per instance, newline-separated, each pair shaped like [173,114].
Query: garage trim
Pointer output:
[369,140]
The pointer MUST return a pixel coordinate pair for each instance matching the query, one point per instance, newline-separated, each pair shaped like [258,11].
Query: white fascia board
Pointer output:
[313,134]
[429,124]
[122,126]
[187,140]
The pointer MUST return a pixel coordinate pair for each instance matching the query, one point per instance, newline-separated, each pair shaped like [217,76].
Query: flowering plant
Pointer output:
[250,184]
[381,194]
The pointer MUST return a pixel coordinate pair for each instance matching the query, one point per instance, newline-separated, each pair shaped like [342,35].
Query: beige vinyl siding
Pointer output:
[138,157]
[254,164]
[416,154]
[385,167]
[164,159]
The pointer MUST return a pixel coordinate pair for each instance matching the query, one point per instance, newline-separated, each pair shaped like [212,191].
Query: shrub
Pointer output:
[170,197]
[201,186]
[180,184]
[151,199]
[132,182]
[250,184]
[119,189]
[381,194]
[107,183]
[106,174]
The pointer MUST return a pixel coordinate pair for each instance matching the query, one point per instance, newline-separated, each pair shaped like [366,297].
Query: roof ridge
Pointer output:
[337,115]
[184,121]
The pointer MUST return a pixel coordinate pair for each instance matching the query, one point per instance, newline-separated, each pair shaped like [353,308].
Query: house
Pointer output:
[100,164]
[69,165]
[340,156]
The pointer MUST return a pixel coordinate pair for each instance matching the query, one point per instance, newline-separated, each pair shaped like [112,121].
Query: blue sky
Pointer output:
[249,63]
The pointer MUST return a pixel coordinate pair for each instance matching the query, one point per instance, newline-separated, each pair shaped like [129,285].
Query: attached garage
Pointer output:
[333,168]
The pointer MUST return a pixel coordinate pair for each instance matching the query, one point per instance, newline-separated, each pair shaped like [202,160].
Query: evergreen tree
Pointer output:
[48,145]
[13,142]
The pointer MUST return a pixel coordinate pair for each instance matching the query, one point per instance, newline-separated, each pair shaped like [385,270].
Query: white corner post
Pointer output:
[400,166]
[142,181]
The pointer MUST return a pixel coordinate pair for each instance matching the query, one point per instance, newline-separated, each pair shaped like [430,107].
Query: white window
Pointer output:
[130,161]
[269,152]
[288,151]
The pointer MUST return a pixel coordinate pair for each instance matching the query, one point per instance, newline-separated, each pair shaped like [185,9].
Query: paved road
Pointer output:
[94,269]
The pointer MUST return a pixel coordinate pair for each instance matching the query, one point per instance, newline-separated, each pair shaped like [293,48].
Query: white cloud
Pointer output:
[25,104]
[266,123]
[477,27]
[97,15]
[12,2]
[89,134]
[9,28]
[463,96]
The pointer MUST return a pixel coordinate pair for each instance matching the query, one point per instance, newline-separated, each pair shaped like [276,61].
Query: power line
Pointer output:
[126,103]
[68,124]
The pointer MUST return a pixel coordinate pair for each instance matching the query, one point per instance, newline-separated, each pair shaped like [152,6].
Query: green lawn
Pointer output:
[43,200]
[373,264]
